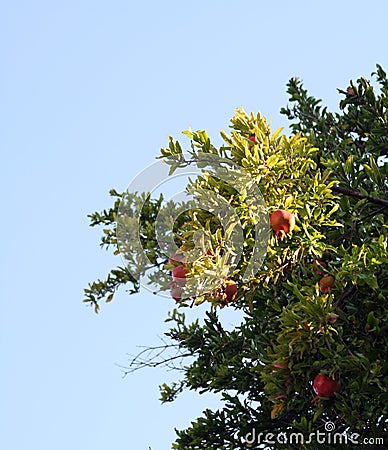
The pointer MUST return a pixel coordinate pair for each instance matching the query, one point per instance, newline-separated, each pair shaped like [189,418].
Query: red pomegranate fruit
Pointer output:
[325,387]
[282,222]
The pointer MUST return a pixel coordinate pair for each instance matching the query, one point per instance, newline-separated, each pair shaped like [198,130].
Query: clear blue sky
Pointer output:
[89,92]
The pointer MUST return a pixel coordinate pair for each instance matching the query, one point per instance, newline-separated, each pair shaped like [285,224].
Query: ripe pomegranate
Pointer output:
[317,264]
[326,283]
[227,293]
[253,139]
[230,290]
[282,222]
[325,387]
[176,293]
[179,275]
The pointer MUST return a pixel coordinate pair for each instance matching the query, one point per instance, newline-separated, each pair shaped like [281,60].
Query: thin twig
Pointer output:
[350,352]
[152,357]
[348,293]
[328,343]
[373,213]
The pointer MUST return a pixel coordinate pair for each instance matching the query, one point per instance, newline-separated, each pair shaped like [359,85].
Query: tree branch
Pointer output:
[153,357]
[348,293]
[357,194]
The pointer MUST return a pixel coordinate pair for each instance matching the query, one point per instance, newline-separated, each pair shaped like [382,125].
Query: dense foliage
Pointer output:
[331,173]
